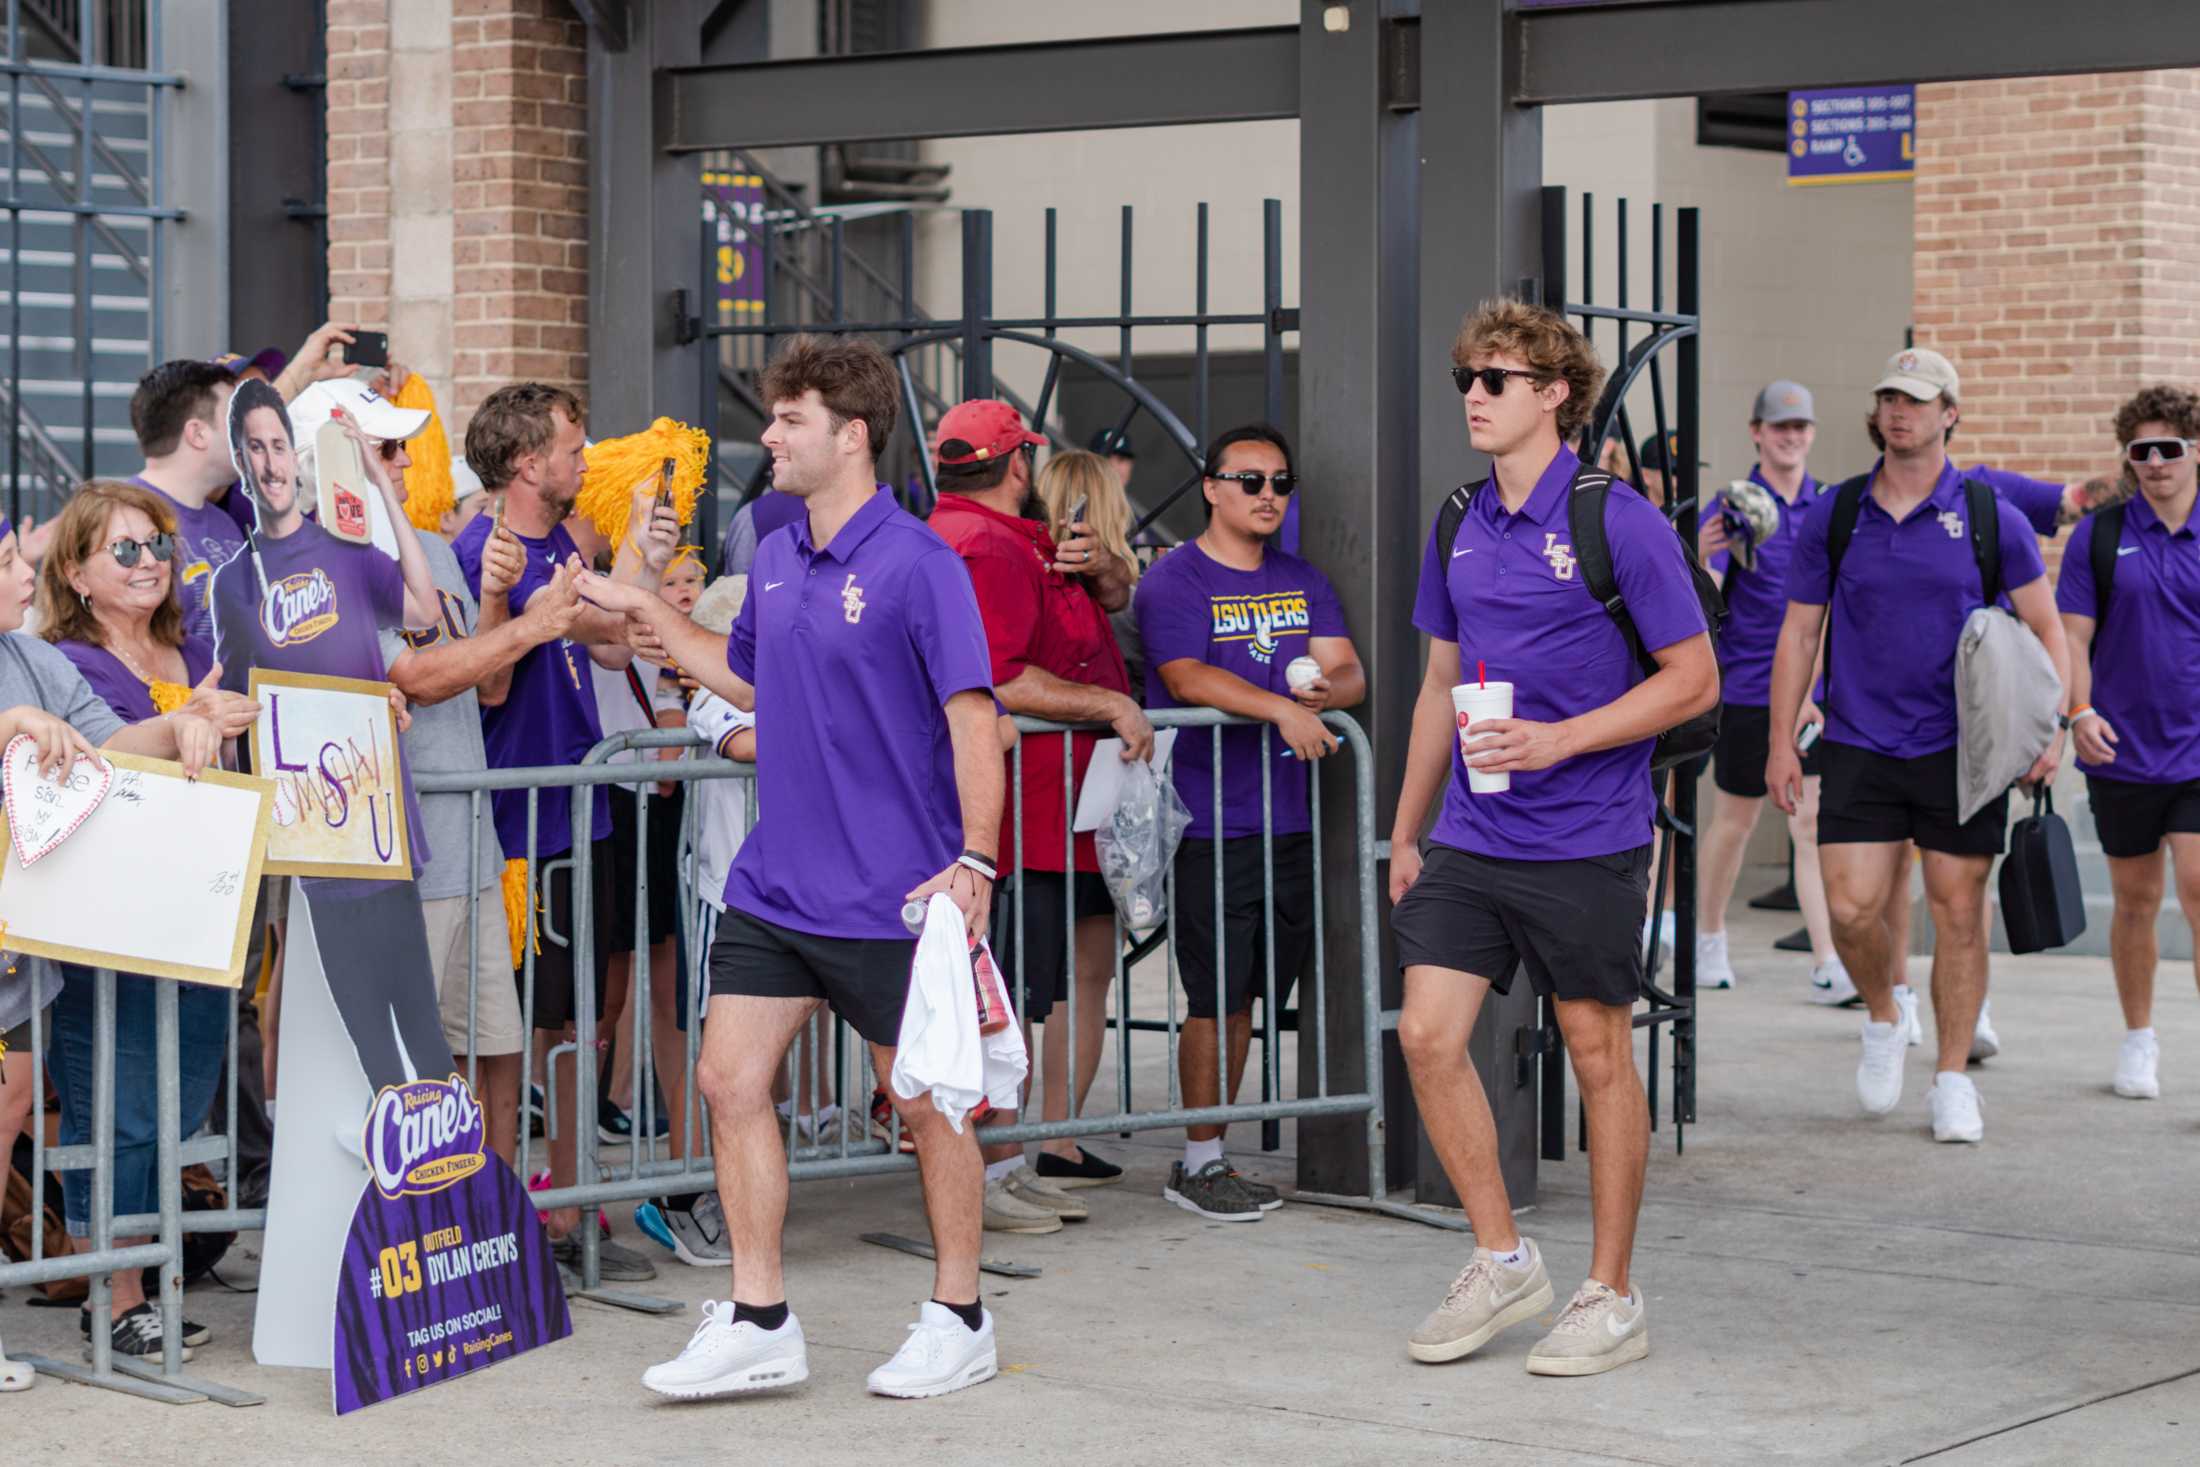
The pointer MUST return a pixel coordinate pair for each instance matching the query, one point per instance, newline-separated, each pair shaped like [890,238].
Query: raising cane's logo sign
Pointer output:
[423,1136]
[299,607]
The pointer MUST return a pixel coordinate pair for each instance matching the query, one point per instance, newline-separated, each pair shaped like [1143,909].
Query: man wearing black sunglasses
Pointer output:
[1223,618]
[2130,602]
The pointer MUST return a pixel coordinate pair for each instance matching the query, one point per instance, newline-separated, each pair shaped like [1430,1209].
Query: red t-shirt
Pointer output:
[1034,617]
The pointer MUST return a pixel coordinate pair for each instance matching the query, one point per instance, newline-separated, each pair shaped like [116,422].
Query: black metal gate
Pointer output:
[1659,350]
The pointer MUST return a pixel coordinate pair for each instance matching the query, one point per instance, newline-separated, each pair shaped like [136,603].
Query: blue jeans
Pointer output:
[202,1021]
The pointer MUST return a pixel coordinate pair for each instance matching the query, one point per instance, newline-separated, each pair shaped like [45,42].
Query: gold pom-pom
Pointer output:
[516,890]
[429,493]
[617,465]
[167,696]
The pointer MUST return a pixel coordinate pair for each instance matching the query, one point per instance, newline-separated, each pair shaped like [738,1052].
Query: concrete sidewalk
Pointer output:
[1822,1288]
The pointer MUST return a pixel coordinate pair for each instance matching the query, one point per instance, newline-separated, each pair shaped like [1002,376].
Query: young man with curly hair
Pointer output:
[1552,873]
[2135,705]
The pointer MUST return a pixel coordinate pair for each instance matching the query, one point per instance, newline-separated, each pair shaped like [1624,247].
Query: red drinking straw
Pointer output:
[1481,673]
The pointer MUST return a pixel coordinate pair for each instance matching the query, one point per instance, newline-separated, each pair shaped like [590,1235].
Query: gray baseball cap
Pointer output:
[1783,402]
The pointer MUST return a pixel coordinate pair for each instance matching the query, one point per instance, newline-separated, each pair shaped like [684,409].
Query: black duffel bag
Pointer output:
[2042,903]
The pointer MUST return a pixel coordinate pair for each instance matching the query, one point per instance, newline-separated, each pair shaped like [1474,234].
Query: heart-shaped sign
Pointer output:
[42,812]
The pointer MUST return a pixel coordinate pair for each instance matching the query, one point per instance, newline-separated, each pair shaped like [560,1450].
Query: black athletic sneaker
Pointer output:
[1212,1193]
[194,1334]
[1087,1171]
[137,1334]
[1268,1197]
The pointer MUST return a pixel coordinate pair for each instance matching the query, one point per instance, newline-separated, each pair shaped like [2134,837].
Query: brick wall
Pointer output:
[2058,255]
[359,159]
[519,201]
[458,189]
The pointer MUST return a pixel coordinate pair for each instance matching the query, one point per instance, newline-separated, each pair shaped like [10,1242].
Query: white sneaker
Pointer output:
[1830,984]
[1954,1102]
[1905,999]
[724,1358]
[1712,968]
[2135,1078]
[1879,1074]
[1985,1043]
[942,1354]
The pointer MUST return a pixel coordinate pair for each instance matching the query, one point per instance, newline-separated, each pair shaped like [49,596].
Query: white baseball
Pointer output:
[1302,673]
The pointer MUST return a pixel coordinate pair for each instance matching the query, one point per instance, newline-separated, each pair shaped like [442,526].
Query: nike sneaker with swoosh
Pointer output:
[1599,1331]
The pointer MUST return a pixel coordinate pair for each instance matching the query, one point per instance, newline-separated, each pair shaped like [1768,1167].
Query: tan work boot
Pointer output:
[1005,1212]
[1598,1332]
[1486,1297]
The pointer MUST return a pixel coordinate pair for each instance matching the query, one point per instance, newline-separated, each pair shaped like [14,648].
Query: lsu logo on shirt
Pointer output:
[450,626]
[299,608]
[1260,620]
[1560,556]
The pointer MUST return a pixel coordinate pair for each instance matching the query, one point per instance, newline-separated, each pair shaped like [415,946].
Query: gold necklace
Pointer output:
[167,696]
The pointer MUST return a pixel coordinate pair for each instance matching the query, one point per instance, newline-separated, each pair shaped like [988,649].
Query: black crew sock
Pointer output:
[681,1201]
[763,1316]
[971,1314]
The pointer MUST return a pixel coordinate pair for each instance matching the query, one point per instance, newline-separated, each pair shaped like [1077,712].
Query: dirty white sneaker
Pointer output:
[1954,1101]
[1598,1332]
[1985,1043]
[1712,968]
[1486,1297]
[1879,1073]
[724,1358]
[1905,999]
[942,1354]
[1830,984]
[2135,1078]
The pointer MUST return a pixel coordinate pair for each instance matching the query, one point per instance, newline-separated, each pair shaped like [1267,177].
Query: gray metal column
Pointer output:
[1360,522]
[643,239]
[1480,235]
[191,301]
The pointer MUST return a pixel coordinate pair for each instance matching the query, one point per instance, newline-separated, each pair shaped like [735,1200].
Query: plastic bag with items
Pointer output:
[1137,844]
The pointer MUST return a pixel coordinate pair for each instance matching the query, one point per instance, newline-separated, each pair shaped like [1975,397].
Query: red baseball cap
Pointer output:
[982,430]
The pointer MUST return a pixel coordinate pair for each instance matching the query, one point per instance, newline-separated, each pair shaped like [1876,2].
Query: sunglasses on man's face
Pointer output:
[2158,450]
[1250,481]
[126,552]
[390,448]
[1493,379]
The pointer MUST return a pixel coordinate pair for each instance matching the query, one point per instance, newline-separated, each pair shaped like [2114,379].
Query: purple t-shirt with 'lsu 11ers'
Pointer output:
[320,609]
[1509,592]
[549,717]
[854,650]
[1251,623]
[1906,590]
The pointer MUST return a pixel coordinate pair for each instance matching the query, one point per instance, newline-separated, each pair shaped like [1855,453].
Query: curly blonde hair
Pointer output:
[1547,342]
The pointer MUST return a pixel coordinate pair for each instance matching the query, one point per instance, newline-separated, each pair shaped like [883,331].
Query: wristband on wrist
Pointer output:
[2070,720]
[981,864]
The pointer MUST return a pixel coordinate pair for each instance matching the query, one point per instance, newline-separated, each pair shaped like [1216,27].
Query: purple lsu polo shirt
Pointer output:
[853,649]
[1906,590]
[2147,645]
[1756,600]
[1509,592]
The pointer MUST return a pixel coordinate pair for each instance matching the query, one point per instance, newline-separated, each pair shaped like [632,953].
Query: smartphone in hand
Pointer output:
[368,349]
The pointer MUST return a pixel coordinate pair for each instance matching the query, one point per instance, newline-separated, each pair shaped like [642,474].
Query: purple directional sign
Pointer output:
[1851,135]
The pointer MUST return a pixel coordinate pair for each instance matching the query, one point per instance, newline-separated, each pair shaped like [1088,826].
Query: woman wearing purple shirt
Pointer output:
[2135,714]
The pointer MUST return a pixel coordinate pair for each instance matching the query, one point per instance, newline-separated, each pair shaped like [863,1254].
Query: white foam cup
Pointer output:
[1473,702]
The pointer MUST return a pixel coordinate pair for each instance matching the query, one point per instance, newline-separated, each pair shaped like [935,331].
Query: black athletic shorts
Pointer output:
[1575,925]
[1046,977]
[1745,740]
[1244,920]
[1868,796]
[865,979]
[554,1006]
[664,866]
[2132,818]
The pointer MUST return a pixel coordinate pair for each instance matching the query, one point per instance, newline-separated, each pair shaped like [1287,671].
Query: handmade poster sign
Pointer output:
[399,1251]
[330,745]
[345,490]
[188,854]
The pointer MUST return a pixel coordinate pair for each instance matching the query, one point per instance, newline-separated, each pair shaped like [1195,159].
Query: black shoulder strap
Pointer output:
[2108,534]
[1848,502]
[1983,510]
[1593,552]
[1454,514]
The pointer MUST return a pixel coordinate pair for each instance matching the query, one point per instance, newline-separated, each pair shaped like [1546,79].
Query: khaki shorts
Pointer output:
[496,1010]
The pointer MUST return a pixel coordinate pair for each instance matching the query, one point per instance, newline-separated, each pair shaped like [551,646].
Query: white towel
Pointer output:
[940,1048]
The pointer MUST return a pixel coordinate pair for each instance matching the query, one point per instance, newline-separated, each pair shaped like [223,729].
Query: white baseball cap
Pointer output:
[376,415]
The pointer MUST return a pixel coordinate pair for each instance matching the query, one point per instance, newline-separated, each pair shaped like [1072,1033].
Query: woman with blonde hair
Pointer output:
[1075,477]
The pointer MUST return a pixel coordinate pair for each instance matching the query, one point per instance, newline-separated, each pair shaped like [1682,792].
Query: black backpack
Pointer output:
[1980,507]
[1585,500]
[2108,534]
